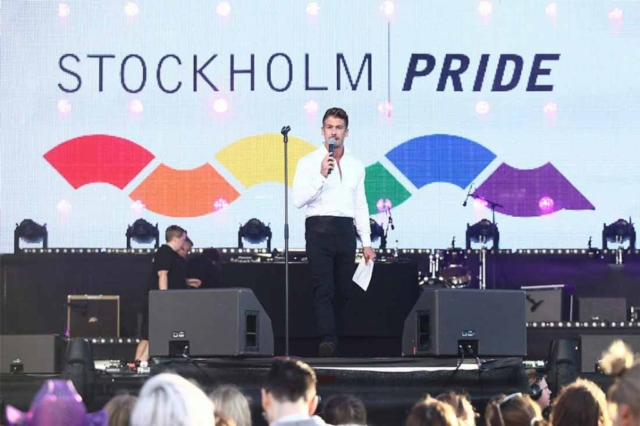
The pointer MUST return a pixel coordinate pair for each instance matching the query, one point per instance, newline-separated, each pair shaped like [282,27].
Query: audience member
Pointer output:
[461,405]
[289,394]
[120,408]
[624,394]
[431,412]
[344,410]
[580,403]
[171,400]
[224,420]
[56,404]
[231,401]
[513,410]
[540,391]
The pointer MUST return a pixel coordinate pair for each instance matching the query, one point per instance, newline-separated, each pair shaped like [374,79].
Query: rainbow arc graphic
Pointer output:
[424,160]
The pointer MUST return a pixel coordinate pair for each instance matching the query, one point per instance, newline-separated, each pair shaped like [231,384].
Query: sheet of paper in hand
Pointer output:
[363,273]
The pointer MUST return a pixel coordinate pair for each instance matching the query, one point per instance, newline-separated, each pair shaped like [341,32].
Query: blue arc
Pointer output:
[440,158]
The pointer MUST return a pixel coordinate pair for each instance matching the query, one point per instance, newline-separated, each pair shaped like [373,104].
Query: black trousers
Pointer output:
[331,250]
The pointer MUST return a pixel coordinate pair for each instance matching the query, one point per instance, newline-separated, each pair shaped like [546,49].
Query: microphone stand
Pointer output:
[285,138]
[386,232]
[496,243]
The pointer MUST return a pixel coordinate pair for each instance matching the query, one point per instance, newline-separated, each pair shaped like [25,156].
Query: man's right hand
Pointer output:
[328,163]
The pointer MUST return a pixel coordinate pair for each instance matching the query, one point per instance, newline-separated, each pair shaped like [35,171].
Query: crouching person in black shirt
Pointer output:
[203,269]
[186,258]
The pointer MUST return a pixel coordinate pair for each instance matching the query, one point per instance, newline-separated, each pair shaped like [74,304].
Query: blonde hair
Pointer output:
[619,362]
[224,420]
[230,400]
[171,400]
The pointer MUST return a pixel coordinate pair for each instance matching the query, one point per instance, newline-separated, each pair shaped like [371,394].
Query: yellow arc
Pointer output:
[260,158]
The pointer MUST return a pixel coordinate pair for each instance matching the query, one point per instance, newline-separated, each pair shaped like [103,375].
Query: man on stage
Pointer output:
[167,272]
[329,184]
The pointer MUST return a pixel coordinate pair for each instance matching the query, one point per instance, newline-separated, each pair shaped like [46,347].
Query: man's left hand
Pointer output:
[368,254]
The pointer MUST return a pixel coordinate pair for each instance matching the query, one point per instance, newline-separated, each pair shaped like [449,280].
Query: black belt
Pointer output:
[329,224]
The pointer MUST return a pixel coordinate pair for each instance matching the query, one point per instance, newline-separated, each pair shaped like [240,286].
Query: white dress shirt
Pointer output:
[336,195]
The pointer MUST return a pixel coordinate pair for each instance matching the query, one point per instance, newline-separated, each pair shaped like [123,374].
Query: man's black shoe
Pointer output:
[327,350]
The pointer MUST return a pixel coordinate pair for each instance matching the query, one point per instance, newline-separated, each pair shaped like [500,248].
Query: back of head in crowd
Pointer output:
[461,405]
[513,410]
[230,400]
[171,400]
[580,403]
[431,412]
[224,420]
[290,380]
[173,231]
[120,408]
[624,394]
[344,410]
[289,389]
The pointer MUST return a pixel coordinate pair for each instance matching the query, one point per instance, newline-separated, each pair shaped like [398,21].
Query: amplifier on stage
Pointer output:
[93,315]
[549,303]
[602,309]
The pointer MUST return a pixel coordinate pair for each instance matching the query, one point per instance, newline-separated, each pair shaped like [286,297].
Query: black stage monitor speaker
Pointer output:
[602,308]
[491,322]
[208,323]
[592,347]
[32,353]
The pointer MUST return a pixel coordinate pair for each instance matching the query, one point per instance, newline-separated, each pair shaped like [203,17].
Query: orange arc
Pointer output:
[184,193]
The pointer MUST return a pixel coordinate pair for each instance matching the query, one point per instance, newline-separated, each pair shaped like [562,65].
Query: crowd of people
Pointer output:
[289,397]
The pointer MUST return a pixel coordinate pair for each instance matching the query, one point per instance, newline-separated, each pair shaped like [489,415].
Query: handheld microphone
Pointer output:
[332,143]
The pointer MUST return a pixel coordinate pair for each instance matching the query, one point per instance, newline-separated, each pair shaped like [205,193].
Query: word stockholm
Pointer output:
[280,72]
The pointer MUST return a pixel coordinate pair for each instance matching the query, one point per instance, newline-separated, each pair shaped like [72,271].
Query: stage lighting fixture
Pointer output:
[254,232]
[30,232]
[483,232]
[619,232]
[454,272]
[80,369]
[142,232]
